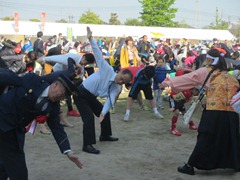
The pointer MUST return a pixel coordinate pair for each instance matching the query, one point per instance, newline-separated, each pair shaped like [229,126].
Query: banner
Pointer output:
[16,19]
[69,34]
[43,20]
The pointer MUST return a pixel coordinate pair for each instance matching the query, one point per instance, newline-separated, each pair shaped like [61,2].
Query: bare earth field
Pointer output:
[145,151]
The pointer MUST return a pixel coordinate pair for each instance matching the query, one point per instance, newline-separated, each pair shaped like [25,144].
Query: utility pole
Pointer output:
[70,19]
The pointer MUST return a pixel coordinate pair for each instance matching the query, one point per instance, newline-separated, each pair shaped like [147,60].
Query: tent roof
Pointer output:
[31,28]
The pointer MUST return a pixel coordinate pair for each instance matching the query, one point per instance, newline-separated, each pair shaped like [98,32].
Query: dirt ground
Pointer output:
[145,151]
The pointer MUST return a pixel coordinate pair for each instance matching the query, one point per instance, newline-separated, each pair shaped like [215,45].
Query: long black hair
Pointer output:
[221,64]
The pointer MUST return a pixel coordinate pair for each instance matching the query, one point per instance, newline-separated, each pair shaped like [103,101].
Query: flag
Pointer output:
[16,19]
[69,34]
[43,20]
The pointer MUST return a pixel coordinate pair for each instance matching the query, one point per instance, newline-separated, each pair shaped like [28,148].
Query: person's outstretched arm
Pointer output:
[96,51]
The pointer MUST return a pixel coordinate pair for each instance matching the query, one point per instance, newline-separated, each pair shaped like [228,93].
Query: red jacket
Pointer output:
[184,95]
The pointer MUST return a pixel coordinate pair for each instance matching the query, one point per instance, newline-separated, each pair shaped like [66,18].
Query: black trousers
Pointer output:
[88,106]
[12,156]
[69,103]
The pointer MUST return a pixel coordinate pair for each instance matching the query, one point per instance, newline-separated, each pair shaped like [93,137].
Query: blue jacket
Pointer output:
[141,79]
[160,75]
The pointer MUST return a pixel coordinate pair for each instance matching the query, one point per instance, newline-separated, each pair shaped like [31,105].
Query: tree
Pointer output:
[235,28]
[182,24]
[158,13]
[113,20]
[34,20]
[219,23]
[89,17]
[61,21]
[7,18]
[133,22]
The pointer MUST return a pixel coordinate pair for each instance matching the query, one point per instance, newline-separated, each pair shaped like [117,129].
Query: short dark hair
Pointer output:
[127,71]
[54,51]
[39,34]
[76,44]
[129,38]
[149,71]
[89,57]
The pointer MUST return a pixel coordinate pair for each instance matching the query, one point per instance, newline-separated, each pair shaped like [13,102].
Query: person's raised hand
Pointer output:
[89,33]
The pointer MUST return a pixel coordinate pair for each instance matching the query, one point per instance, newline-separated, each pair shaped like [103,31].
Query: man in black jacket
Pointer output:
[38,45]
[31,96]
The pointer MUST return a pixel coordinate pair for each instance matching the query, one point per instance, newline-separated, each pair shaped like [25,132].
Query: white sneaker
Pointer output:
[158,115]
[126,117]
[160,106]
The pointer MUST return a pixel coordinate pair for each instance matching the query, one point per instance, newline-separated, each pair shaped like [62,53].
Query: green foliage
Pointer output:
[235,29]
[133,22]
[182,24]
[158,13]
[61,21]
[113,20]
[89,17]
[34,20]
[219,23]
[7,18]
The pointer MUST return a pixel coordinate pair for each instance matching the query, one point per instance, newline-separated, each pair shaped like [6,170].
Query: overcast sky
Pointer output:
[197,13]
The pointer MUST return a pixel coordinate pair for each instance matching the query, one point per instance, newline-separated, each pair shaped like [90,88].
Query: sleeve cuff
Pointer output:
[67,151]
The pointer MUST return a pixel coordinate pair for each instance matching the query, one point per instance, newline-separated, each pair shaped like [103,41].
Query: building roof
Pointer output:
[31,28]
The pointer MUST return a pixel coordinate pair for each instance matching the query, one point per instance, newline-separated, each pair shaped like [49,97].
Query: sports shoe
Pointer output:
[193,127]
[145,108]
[45,132]
[165,97]
[175,132]
[158,115]
[67,124]
[62,103]
[160,106]
[126,117]
[73,113]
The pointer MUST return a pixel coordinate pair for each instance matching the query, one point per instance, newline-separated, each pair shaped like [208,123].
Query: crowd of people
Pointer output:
[35,78]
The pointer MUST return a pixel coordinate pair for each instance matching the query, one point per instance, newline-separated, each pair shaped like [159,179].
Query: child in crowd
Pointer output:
[177,101]
[160,75]
[143,81]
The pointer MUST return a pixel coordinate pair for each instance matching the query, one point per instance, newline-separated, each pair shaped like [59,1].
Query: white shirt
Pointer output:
[61,60]
[72,51]
[43,95]
[98,83]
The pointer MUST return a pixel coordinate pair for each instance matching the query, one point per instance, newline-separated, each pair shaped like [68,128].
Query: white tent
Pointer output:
[31,28]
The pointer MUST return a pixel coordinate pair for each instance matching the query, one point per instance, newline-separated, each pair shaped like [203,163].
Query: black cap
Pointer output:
[68,84]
